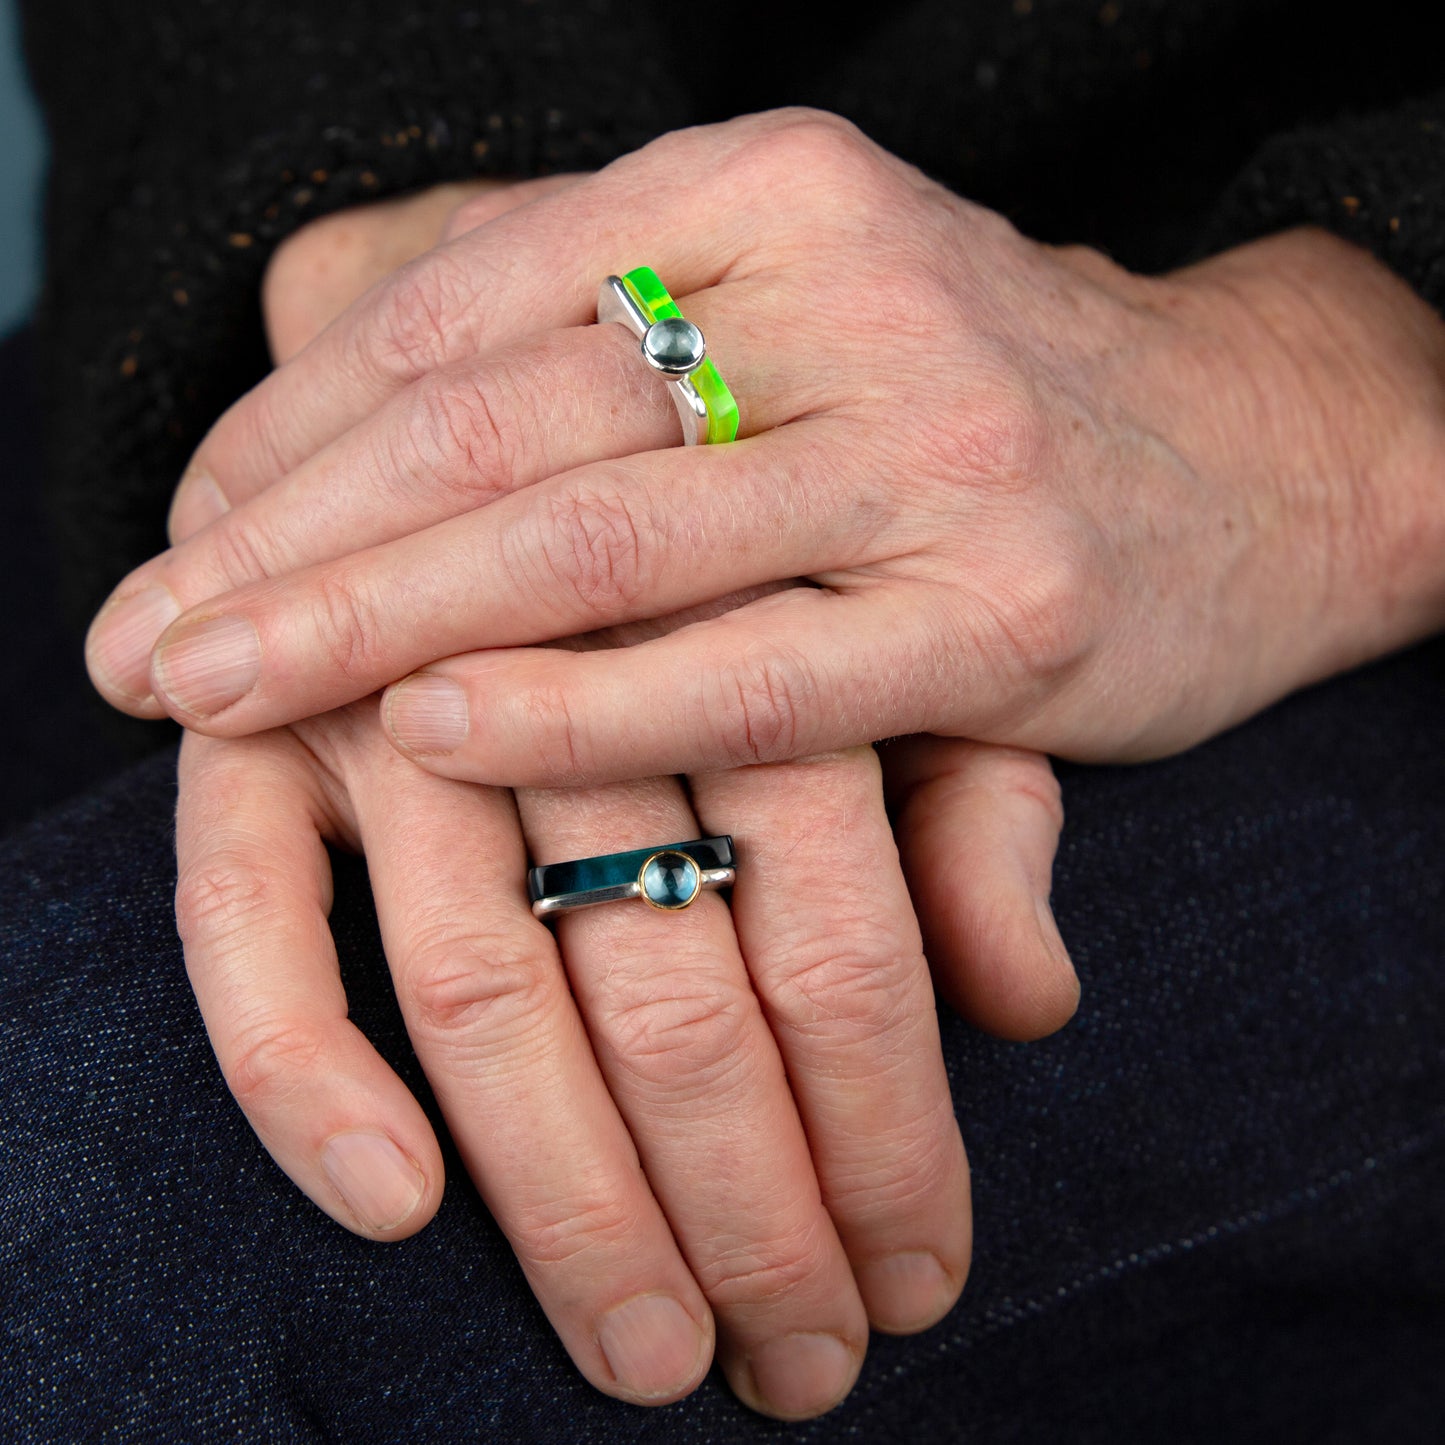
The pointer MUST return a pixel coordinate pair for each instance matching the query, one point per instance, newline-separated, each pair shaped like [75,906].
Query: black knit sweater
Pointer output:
[190,136]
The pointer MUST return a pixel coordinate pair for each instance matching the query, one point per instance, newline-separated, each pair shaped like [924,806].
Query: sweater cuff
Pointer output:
[1376,180]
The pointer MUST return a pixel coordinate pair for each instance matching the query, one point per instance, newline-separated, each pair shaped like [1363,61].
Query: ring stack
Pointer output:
[669,878]
[674,348]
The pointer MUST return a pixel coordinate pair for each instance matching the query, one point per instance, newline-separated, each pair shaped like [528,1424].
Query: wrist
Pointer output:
[1343,370]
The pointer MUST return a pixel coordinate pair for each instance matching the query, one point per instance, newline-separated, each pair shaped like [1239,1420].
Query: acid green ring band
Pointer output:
[674,348]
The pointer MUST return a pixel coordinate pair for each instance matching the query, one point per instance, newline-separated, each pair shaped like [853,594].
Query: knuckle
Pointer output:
[823,137]
[220,897]
[1003,436]
[981,771]
[903,1175]
[596,552]
[574,1224]
[815,151]
[484,985]
[345,623]
[1028,775]
[767,1269]
[558,742]
[418,320]
[683,1042]
[473,212]
[990,229]
[761,703]
[456,435]
[240,552]
[257,428]
[270,1059]
[848,986]
[1036,618]
[286,265]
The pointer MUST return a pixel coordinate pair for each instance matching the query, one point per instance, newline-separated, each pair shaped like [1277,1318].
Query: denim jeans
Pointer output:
[1212,1209]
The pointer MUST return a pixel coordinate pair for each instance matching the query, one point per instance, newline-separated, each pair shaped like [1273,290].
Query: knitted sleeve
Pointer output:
[188,140]
[1377,180]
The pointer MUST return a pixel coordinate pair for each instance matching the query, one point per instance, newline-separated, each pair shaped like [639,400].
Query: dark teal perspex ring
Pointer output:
[669,877]
[674,348]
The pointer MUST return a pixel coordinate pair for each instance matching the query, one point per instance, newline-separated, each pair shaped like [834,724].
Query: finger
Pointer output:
[692,1065]
[251,902]
[455,441]
[315,275]
[824,921]
[534,269]
[792,674]
[499,198]
[319,270]
[458,439]
[978,826]
[585,551]
[488,1009]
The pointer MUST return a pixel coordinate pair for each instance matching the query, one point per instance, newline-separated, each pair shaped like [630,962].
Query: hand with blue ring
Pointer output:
[570,1044]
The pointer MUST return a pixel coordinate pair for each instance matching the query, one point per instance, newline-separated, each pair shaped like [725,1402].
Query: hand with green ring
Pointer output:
[1036,499]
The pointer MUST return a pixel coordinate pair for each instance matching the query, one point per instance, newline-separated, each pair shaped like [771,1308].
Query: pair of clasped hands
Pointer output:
[988,498]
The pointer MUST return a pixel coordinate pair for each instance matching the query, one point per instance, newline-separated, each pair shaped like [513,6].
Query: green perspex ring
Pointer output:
[673,347]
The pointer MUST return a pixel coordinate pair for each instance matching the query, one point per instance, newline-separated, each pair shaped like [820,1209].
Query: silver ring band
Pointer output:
[668,878]
[709,878]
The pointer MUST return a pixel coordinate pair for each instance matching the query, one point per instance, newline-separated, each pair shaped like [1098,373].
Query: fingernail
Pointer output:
[208,665]
[427,714]
[652,1345]
[380,1185]
[121,639]
[197,503]
[800,1376]
[906,1291]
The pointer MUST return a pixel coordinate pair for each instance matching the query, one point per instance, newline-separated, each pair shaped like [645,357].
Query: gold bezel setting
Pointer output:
[693,869]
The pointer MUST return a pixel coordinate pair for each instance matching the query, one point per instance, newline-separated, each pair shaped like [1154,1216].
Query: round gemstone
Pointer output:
[670,880]
[673,346]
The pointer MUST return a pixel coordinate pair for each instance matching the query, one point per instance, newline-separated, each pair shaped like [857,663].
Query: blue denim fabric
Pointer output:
[1213,1209]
